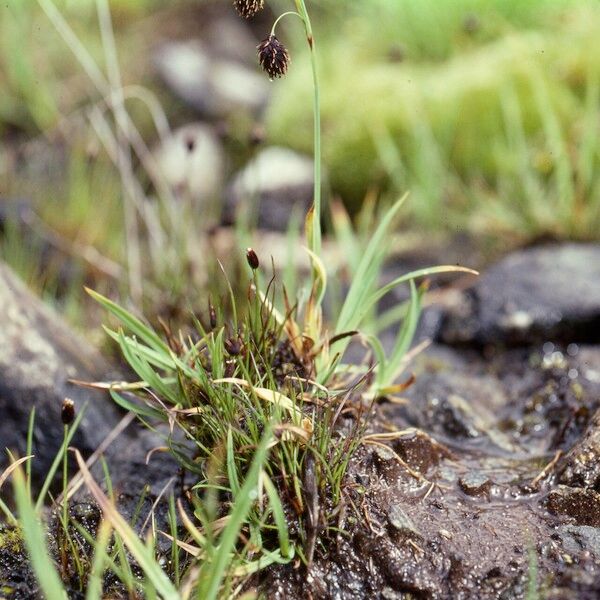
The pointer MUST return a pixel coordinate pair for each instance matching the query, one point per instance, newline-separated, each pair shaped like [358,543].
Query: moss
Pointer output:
[10,539]
[17,581]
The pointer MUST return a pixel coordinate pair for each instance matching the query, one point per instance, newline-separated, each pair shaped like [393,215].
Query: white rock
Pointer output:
[274,183]
[273,169]
[191,161]
[210,82]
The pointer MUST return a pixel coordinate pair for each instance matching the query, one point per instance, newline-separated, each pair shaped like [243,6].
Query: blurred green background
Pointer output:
[486,111]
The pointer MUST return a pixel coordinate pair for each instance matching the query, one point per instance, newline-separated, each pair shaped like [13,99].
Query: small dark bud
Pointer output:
[67,412]
[212,315]
[233,346]
[190,143]
[252,259]
[248,8]
[273,57]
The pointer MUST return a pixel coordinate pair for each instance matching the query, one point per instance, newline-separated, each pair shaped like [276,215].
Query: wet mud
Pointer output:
[491,491]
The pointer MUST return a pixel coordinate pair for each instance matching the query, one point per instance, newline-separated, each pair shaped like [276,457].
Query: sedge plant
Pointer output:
[276,366]
[261,409]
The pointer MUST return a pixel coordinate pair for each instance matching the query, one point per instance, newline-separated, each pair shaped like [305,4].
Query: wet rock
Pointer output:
[579,504]
[86,514]
[278,181]
[387,593]
[475,484]
[39,356]
[588,358]
[523,299]
[581,466]
[408,567]
[457,405]
[401,524]
[419,450]
[578,539]
[208,80]
[191,161]
[386,463]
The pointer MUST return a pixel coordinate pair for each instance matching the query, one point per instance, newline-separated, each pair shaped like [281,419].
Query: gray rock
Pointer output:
[549,292]
[577,539]
[13,213]
[208,81]
[401,523]
[191,161]
[475,484]
[39,355]
[277,181]
[457,405]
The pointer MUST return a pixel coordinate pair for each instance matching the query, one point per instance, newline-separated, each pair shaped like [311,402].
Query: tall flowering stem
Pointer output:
[314,241]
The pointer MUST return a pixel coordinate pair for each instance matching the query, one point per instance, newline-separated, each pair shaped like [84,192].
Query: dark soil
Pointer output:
[464,507]
[488,485]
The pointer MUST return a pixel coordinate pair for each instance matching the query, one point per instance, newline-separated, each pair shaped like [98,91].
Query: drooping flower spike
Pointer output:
[248,8]
[273,57]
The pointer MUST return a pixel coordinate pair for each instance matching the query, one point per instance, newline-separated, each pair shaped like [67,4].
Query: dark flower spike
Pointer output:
[273,57]
[248,8]
[212,315]
[67,412]
[252,259]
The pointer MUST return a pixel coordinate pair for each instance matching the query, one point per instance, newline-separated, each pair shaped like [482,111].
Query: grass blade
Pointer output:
[212,574]
[138,328]
[138,549]
[287,550]
[6,473]
[34,535]
[234,482]
[94,585]
[366,268]
[58,460]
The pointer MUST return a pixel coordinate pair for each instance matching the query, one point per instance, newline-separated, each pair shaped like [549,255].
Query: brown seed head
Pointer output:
[252,259]
[248,8]
[67,412]
[273,57]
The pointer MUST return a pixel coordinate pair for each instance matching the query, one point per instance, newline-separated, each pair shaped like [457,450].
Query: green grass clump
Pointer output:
[260,407]
[274,367]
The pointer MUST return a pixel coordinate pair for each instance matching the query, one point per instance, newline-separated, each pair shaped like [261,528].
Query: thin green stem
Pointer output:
[314,241]
[285,14]
[29,452]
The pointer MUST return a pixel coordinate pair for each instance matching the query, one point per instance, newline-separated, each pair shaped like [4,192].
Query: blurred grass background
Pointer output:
[487,111]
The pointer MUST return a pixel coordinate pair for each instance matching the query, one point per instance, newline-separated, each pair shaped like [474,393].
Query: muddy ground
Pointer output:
[492,491]
[479,499]
[489,483]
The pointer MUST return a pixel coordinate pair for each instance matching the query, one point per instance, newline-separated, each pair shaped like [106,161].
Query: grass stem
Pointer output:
[315,236]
